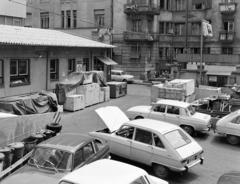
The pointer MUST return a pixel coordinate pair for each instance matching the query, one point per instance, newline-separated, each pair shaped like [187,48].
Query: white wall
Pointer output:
[12,9]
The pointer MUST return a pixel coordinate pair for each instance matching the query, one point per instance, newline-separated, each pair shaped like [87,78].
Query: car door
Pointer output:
[172,115]
[118,76]
[121,141]
[158,112]
[142,146]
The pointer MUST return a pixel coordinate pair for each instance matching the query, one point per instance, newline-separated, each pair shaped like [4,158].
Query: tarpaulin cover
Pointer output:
[72,81]
[37,103]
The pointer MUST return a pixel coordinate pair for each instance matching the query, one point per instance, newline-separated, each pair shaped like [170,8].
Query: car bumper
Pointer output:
[188,166]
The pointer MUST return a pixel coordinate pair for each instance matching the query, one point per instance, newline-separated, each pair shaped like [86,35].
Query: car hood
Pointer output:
[140,109]
[128,76]
[113,117]
[31,175]
[189,149]
[157,180]
[201,116]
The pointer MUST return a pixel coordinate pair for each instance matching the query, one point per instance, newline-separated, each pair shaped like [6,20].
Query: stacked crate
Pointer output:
[73,92]
[117,89]
[74,103]
[88,91]
[106,91]
[96,93]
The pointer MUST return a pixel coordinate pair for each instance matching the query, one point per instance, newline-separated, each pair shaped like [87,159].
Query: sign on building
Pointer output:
[207,29]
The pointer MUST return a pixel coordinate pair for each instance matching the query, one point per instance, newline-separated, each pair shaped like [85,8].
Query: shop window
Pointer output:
[44,20]
[1,72]
[74,18]
[99,16]
[71,66]
[19,72]
[54,69]
[227,50]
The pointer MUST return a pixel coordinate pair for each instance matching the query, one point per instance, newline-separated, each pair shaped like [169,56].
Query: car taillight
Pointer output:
[184,160]
[201,152]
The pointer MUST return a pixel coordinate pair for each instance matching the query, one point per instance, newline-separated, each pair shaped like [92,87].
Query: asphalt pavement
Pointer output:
[220,157]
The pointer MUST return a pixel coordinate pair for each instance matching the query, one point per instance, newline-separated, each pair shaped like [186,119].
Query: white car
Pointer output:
[158,144]
[110,172]
[175,112]
[229,126]
[121,76]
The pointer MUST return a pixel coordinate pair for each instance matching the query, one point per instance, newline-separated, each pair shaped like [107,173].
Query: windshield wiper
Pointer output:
[35,161]
[52,165]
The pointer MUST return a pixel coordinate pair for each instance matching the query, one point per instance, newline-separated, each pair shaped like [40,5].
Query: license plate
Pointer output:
[191,159]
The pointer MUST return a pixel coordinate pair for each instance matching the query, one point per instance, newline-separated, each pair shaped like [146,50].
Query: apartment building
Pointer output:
[12,13]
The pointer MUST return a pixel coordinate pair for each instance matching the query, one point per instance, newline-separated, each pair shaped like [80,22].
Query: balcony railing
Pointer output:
[228,7]
[142,8]
[134,36]
[227,36]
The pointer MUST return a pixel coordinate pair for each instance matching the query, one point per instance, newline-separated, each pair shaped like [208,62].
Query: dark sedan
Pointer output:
[55,157]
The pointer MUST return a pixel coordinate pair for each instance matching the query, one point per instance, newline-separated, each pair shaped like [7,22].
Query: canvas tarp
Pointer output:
[37,103]
[73,80]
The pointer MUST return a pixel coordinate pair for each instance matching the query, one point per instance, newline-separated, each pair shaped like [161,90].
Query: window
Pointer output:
[1,72]
[63,18]
[17,22]
[68,18]
[206,50]
[97,144]
[149,26]
[180,5]
[180,29]
[143,136]
[160,108]
[88,151]
[172,110]
[162,4]
[177,139]
[19,71]
[161,27]
[228,25]
[157,141]
[199,6]
[195,50]
[160,52]
[149,53]
[169,28]
[135,53]
[227,50]
[139,181]
[74,18]
[71,66]
[99,16]
[44,20]
[78,158]
[136,25]
[126,131]
[236,120]
[54,69]
[196,27]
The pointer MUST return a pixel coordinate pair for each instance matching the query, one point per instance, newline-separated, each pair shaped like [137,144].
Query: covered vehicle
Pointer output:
[229,126]
[175,112]
[57,156]
[232,177]
[111,172]
[121,76]
[162,145]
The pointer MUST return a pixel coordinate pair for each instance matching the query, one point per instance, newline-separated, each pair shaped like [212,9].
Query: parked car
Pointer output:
[232,177]
[175,112]
[162,145]
[229,126]
[57,156]
[121,76]
[110,172]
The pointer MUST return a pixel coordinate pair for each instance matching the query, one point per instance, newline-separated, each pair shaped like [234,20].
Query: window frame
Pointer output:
[68,21]
[73,66]
[135,135]
[56,70]
[44,20]
[74,12]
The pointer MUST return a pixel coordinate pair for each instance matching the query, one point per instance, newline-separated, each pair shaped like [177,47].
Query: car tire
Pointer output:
[190,130]
[161,171]
[139,117]
[54,127]
[232,139]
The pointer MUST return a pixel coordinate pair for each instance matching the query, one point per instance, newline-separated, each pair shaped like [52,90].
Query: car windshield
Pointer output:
[123,73]
[177,138]
[49,158]
[191,110]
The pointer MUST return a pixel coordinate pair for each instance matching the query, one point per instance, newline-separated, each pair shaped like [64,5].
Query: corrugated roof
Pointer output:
[44,37]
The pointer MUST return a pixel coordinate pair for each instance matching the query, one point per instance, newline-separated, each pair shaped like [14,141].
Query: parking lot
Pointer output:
[220,157]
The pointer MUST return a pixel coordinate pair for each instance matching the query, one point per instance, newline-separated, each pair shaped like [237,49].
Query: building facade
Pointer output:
[12,13]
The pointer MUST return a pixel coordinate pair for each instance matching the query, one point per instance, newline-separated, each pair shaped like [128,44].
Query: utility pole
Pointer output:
[186,27]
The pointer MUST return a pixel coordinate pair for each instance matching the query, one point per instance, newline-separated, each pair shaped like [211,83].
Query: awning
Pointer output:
[219,73]
[106,60]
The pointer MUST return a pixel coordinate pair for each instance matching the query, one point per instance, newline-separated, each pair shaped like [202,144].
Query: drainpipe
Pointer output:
[47,53]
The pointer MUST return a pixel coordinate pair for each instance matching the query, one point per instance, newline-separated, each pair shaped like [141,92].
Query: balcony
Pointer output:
[227,7]
[130,36]
[140,8]
[226,36]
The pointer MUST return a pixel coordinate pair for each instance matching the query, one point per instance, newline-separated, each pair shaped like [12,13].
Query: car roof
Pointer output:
[173,103]
[67,141]
[160,126]
[105,171]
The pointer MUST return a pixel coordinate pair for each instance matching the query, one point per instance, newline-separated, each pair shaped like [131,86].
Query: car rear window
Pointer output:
[177,138]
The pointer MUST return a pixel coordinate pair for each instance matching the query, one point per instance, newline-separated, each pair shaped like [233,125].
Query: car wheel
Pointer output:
[160,171]
[54,127]
[232,139]
[188,129]
[139,117]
